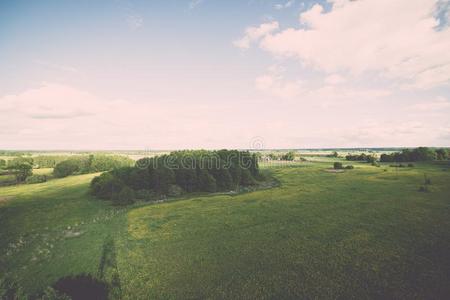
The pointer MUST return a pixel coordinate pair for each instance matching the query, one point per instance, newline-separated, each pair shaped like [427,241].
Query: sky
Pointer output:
[134,74]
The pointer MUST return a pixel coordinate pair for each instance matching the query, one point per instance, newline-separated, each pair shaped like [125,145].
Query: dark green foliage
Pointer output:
[23,171]
[145,195]
[126,196]
[106,185]
[288,156]
[206,181]
[337,165]
[83,164]
[442,154]
[36,179]
[361,157]
[179,172]
[66,168]
[2,163]
[410,165]
[175,191]
[417,154]
[349,167]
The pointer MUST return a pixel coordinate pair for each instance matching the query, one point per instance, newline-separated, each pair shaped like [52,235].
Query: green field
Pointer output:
[363,233]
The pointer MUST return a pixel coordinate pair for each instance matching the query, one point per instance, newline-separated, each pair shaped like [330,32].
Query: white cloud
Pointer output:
[134,21]
[280,6]
[253,34]
[334,79]
[438,104]
[397,39]
[59,67]
[194,3]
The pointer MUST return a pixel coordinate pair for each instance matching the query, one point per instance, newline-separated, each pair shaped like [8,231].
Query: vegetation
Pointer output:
[2,163]
[83,164]
[48,161]
[290,156]
[338,166]
[417,154]
[363,234]
[36,179]
[361,157]
[180,171]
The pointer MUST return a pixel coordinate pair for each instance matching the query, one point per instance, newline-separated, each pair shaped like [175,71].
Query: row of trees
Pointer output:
[180,171]
[417,154]
[83,164]
[361,157]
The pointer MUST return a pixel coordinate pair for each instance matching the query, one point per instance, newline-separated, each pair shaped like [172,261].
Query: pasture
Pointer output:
[362,233]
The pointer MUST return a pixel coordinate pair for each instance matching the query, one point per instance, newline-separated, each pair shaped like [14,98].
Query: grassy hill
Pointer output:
[363,233]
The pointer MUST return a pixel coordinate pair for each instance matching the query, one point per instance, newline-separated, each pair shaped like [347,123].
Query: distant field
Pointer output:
[43,171]
[363,233]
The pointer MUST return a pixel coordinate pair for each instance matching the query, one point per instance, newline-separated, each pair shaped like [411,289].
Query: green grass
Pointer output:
[43,171]
[363,233]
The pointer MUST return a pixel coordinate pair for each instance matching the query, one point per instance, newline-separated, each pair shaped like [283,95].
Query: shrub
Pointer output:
[349,167]
[337,165]
[145,195]
[375,164]
[36,179]
[105,186]
[66,168]
[410,165]
[126,196]
[175,190]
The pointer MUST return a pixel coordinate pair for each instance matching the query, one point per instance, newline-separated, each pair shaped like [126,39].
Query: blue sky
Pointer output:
[212,74]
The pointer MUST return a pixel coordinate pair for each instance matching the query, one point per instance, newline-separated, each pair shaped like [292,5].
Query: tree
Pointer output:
[206,182]
[288,156]
[2,163]
[23,171]
[66,168]
[126,196]
[441,154]
[337,165]
[13,163]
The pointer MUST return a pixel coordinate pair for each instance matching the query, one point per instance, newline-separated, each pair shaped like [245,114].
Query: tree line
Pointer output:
[417,154]
[361,157]
[176,173]
[83,164]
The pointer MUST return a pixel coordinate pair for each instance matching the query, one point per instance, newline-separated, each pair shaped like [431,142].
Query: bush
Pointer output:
[36,179]
[337,166]
[126,196]
[105,186]
[66,168]
[349,167]
[175,191]
[410,165]
[145,195]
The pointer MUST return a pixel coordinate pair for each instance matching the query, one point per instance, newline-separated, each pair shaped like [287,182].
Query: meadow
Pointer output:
[362,233]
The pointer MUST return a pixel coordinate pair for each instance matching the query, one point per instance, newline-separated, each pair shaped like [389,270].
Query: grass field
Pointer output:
[363,233]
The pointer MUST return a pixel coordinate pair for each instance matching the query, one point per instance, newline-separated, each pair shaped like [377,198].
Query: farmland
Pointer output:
[362,233]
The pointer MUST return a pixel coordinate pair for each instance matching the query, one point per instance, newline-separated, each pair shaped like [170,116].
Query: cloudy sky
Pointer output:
[129,74]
